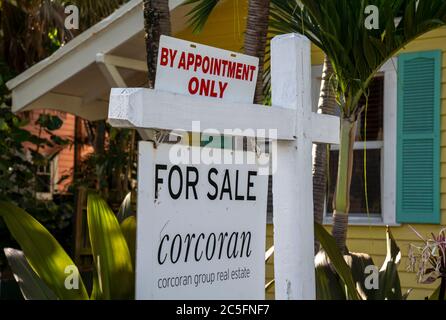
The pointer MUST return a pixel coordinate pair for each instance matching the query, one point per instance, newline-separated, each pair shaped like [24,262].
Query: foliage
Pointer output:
[25,27]
[110,250]
[45,255]
[356,53]
[29,32]
[114,271]
[33,29]
[200,12]
[126,208]
[31,285]
[19,160]
[429,261]
[342,277]
[337,259]
[111,171]
[128,228]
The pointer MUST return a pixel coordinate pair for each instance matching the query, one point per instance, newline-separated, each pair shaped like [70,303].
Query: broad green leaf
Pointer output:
[128,228]
[358,262]
[96,292]
[125,210]
[51,122]
[45,255]
[199,13]
[328,284]
[329,245]
[390,286]
[31,286]
[110,251]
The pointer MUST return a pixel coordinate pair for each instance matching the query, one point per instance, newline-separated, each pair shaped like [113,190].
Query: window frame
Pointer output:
[53,166]
[388,154]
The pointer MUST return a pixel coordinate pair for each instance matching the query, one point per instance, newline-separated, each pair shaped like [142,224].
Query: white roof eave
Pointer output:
[33,87]
[74,43]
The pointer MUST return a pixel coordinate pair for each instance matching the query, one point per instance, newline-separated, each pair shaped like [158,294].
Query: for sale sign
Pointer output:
[198,70]
[201,227]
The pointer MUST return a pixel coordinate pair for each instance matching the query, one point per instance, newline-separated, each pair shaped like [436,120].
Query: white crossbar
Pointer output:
[147,108]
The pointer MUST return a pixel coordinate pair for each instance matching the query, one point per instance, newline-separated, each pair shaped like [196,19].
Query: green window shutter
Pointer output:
[418,137]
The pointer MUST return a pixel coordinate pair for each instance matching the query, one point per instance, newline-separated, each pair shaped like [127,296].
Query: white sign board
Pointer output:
[201,227]
[198,70]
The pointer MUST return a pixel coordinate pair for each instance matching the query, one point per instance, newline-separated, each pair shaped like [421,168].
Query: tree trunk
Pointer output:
[255,39]
[156,23]
[327,106]
[341,199]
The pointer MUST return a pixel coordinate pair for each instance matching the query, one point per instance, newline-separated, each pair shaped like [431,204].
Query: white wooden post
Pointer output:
[292,181]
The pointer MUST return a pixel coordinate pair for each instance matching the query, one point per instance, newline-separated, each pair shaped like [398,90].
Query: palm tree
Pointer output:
[255,36]
[327,105]
[356,54]
[156,23]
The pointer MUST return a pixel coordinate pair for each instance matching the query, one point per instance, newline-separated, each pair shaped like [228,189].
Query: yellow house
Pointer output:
[404,185]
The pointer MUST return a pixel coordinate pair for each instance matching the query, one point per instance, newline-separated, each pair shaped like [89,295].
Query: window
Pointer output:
[365,194]
[46,176]
[43,179]
[372,194]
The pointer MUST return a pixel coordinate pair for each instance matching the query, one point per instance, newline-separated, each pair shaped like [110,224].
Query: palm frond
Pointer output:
[356,53]
[199,13]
